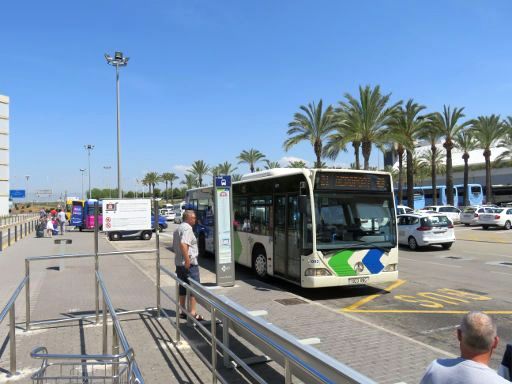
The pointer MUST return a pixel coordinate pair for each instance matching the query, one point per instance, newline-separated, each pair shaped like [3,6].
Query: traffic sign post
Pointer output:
[224,260]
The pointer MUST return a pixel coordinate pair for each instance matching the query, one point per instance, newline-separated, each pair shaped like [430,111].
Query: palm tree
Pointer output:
[271,164]
[448,124]
[432,134]
[190,181]
[236,177]
[225,168]
[506,142]
[368,118]
[251,157]
[297,164]
[465,141]
[168,177]
[152,179]
[313,125]
[487,130]
[199,168]
[404,128]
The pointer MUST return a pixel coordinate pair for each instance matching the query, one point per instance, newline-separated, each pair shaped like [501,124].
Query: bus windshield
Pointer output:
[355,221]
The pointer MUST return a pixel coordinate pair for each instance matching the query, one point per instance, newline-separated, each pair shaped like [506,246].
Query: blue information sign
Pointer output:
[17,193]
[223,181]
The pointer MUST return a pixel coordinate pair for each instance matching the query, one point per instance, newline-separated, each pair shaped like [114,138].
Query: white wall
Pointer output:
[4,155]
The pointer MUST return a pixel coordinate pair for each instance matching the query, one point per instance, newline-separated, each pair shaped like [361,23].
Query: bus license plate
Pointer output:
[358,280]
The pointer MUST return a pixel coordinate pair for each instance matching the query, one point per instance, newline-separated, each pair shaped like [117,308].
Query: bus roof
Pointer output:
[278,172]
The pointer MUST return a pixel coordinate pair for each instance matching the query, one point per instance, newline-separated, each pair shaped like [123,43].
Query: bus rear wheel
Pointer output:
[259,263]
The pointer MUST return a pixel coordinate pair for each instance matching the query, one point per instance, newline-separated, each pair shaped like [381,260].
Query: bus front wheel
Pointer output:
[259,263]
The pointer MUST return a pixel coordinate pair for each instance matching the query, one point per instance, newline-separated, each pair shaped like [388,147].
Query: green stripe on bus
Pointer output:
[339,263]
[237,246]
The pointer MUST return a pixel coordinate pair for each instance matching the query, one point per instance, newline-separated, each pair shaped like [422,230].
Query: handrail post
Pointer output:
[187,306]
[27,295]
[225,340]
[12,338]
[15,233]
[115,351]
[177,312]
[96,263]
[213,331]
[157,236]
[1,241]
[287,371]
[9,236]
[104,327]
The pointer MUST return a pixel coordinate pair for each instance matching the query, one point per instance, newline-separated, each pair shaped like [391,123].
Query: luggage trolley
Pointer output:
[83,369]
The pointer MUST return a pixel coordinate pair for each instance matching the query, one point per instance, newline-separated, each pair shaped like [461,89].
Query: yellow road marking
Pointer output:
[357,304]
[420,311]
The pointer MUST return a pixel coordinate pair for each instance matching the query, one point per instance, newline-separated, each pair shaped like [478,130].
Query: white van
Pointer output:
[178,211]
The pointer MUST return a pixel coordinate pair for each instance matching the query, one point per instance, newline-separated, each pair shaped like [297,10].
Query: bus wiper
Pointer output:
[363,243]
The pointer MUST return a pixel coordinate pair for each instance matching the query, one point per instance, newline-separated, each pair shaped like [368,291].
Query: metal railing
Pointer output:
[298,360]
[10,309]
[119,368]
[16,230]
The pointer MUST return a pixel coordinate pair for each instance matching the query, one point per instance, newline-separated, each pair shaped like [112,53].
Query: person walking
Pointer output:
[477,335]
[49,227]
[185,259]
[61,218]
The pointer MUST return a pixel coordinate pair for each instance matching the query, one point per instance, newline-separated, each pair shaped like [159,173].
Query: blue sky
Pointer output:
[208,79]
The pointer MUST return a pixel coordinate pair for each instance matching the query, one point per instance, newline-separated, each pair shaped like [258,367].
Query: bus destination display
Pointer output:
[353,182]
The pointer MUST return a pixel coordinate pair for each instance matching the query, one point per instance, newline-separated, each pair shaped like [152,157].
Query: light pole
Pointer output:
[89,148]
[27,177]
[118,61]
[108,168]
[82,170]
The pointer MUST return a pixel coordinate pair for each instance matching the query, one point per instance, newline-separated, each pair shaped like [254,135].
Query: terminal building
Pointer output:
[476,161]
[4,155]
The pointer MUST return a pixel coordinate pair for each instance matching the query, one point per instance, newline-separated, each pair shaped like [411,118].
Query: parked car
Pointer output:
[422,229]
[402,209]
[499,217]
[178,211]
[168,213]
[452,212]
[469,216]
[162,223]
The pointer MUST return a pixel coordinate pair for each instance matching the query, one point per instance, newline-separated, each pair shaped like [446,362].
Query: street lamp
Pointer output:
[27,177]
[89,148]
[118,61]
[82,170]
[108,168]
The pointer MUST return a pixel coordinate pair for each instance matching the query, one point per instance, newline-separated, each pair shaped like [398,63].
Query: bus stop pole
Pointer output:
[96,263]
[157,236]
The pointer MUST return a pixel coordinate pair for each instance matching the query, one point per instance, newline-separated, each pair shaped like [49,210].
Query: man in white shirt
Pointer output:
[186,252]
[477,335]
[61,217]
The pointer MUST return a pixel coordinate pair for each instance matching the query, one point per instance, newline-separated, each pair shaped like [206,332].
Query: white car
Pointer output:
[168,213]
[499,217]
[422,229]
[469,216]
[448,210]
[402,209]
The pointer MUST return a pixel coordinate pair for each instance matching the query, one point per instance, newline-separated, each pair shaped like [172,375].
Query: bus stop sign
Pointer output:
[224,260]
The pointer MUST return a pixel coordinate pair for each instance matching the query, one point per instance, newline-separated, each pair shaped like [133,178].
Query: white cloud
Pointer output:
[182,169]
[285,160]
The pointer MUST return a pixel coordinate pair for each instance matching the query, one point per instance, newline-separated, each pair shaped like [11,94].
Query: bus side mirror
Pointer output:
[303,203]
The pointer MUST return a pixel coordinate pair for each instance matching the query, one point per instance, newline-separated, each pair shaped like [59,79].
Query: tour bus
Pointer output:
[441,195]
[475,194]
[69,206]
[312,227]
[419,197]
[84,218]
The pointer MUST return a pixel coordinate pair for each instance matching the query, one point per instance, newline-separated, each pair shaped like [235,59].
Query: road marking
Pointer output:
[439,329]
[310,341]
[431,262]
[371,297]
[502,273]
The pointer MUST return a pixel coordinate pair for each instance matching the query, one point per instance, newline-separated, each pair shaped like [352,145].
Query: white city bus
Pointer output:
[312,227]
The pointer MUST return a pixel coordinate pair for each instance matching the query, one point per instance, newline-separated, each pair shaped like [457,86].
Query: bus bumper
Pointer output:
[336,281]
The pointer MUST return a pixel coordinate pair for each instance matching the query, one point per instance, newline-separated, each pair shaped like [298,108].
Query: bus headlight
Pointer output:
[317,272]
[390,268]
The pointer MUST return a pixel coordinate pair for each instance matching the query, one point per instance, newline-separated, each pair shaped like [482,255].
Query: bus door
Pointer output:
[287,236]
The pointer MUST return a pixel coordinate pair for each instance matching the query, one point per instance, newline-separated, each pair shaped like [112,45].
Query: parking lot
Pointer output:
[436,287]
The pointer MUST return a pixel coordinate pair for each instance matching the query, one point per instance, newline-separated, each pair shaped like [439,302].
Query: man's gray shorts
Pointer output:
[184,275]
